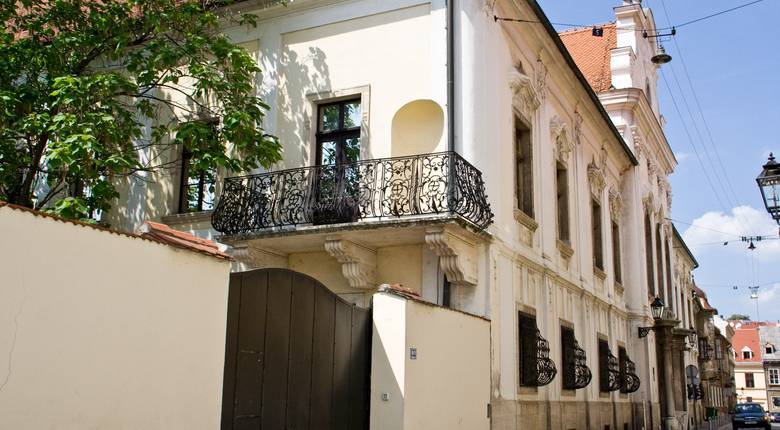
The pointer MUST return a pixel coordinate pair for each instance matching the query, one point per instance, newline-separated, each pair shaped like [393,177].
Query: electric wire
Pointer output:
[565,24]
[713,147]
[713,15]
[693,145]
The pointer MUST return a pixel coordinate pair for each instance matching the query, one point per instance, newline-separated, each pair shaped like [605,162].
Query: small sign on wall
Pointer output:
[413,353]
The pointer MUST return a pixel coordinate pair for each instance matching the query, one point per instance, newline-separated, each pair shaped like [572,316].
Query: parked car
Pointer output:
[774,417]
[750,415]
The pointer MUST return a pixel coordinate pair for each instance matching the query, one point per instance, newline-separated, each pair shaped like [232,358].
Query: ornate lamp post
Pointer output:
[657,310]
[769,184]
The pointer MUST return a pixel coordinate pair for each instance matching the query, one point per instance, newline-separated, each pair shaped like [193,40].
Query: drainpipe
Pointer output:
[451,74]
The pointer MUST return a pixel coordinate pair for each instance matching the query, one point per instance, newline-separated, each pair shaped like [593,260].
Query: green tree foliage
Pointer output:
[79,79]
[739,317]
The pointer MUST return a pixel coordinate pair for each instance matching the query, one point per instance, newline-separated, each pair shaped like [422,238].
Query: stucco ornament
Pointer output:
[559,133]
[457,255]
[358,263]
[597,175]
[577,135]
[615,204]
[525,96]
[540,79]
[639,142]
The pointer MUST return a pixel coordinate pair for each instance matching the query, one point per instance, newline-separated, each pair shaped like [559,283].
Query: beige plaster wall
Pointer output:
[447,385]
[100,330]
[389,52]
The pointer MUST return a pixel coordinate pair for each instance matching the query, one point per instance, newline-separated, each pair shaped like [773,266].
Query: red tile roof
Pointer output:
[179,239]
[705,304]
[592,54]
[155,232]
[747,337]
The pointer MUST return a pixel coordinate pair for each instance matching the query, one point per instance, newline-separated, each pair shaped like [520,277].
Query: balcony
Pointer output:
[416,186]
[376,218]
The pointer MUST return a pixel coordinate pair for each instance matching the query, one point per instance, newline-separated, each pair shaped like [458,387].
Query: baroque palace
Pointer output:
[437,152]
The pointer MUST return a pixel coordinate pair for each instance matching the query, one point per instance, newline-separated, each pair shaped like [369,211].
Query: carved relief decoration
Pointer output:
[639,142]
[457,255]
[596,175]
[577,127]
[560,136]
[358,263]
[525,97]
[540,79]
[615,204]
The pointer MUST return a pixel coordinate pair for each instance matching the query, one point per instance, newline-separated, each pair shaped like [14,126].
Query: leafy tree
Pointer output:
[739,317]
[80,78]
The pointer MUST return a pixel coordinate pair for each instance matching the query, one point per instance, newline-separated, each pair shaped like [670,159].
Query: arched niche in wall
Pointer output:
[418,128]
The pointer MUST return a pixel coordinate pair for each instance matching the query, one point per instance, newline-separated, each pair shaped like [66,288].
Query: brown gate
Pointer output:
[297,356]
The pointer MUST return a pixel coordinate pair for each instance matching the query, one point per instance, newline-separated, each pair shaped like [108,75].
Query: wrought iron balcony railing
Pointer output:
[427,184]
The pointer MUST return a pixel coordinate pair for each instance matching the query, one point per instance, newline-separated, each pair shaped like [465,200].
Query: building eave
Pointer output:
[581,78]
[634,99]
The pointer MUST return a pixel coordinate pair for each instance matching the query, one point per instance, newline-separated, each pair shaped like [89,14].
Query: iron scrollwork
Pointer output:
[427,184]
[545,367]
[610,380]
[695,392]
[582,373]
[631,381]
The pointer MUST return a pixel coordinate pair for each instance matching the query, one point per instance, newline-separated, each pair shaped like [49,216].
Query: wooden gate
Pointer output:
[297,356]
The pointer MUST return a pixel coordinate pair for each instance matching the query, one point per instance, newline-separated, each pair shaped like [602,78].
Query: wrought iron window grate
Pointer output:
[609,369]
[631,381]
[426,184]
[576,373]
[545,367]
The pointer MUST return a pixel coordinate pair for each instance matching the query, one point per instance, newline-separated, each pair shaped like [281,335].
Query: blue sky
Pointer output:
[734,66]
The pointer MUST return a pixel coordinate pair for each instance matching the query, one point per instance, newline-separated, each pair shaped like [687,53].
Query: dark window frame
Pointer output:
[202,184]
[524,169]
[617,260]
[750,380]
[597,233]
[527,349]
[568,361]
[649,266]
[341,134]
[562,202]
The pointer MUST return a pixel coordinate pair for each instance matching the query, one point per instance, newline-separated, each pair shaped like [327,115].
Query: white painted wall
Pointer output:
[447,386]
[101,330]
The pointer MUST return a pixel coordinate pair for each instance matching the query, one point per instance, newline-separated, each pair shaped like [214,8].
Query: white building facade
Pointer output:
[470,160]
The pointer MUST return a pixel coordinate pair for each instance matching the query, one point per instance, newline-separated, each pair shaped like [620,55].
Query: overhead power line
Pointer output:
[670,27]
[713,15]
[713,148]
[693,145]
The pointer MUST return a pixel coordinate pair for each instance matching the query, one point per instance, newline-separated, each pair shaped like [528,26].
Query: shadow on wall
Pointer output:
[301,76]
[418,128]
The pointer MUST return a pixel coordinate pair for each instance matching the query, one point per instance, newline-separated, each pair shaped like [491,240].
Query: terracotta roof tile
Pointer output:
[592,54]
[155,232]
[747,337]
[179,239]
[705,304]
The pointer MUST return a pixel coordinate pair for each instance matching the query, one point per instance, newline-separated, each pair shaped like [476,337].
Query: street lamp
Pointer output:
[657,310]
[769,184]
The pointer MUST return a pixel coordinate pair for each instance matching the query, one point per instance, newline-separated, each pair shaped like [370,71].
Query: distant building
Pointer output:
[749,370]
[769,336]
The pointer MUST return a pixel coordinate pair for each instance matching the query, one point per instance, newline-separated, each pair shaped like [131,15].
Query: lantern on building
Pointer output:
[769,184]
[657,308]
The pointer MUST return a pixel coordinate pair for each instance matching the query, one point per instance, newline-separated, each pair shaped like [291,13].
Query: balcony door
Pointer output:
[337,174]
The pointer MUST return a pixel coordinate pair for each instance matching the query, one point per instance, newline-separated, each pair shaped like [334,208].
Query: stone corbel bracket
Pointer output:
[457,255]
[358,263]
[252,257]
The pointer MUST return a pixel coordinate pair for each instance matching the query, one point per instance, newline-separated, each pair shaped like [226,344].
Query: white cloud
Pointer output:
[682,156]
[712,229]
